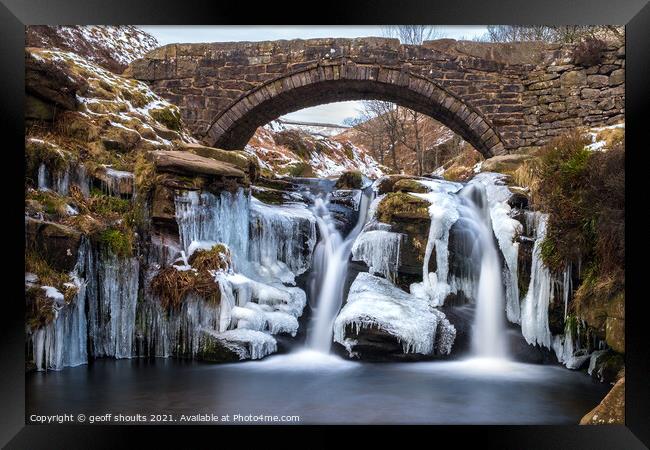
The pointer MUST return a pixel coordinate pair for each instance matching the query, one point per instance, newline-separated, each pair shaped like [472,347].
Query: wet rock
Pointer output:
[611,410]
[218,350]
[163,209]
[519,198]
[57,244]
[352,179]
[607,366]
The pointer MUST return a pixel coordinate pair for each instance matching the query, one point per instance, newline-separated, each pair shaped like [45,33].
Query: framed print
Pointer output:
[415,216]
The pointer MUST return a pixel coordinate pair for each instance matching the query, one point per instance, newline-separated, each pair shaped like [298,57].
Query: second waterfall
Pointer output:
[330,266]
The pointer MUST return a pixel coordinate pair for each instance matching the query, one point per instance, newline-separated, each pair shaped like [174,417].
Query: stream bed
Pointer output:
[322,389]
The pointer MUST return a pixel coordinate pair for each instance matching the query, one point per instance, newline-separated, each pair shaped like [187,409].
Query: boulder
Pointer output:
[45,80]
[381,322]
[217,350]
[186,163]
[58,244]
[504,163]
[611,410]
[386,183]
[239,159]
[352,179]
[409,185]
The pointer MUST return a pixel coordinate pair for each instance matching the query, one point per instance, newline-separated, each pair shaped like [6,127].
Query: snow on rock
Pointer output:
[257,343]
[113,101]
[376,302]
[112,47]
[304,150]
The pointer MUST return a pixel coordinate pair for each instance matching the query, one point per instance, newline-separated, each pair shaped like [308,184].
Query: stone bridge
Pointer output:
[500,98]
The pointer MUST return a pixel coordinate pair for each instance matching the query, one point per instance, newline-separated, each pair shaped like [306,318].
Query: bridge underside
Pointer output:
[234,128]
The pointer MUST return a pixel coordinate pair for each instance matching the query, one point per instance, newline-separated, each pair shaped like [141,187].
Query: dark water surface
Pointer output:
[322,389]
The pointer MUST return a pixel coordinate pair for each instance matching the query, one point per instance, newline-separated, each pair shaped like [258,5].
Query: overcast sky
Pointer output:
[329,113]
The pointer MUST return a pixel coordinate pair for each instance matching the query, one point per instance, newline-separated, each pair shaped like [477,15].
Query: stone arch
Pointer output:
[319,84]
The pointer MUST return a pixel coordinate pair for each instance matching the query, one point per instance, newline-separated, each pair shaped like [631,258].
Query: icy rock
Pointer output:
[376,306]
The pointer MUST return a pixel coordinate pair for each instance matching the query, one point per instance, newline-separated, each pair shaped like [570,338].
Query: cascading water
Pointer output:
[488,336]
[331,257]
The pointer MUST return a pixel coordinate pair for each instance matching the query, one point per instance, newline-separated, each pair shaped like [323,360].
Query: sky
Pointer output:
[327,113]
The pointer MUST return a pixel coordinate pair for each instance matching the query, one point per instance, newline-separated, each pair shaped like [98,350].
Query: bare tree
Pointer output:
[412,34]
[387,115]
[551,33]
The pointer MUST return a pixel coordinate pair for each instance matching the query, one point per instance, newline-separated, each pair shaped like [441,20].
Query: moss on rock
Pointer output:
[409,185]
[352,179]
[399,206]
[119,241]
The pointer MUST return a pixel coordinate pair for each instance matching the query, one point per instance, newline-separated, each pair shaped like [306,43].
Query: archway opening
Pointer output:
[234,127]
[373,136]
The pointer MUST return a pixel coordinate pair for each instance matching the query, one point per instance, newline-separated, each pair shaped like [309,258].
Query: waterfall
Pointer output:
[331,258]
[488,336]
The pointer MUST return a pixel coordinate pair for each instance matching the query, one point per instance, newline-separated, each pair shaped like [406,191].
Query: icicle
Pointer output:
[282,237]
[534,311]
[380,250]
[112,295]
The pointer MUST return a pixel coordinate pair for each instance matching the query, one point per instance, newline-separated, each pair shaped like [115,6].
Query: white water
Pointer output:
[331,258]
[468,211]
[488,338]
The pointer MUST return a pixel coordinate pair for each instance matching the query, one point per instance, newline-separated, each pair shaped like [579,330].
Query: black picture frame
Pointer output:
[15,14]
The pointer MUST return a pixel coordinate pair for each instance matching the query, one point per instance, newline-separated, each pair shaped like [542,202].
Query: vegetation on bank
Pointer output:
[40,308]
[172,286]
[583,190]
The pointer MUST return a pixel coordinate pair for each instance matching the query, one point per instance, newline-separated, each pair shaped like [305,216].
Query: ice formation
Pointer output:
[61,181]
[376,302]
[568,351]
[534,307]
[62,343]
[379,250]
[203,216]
[281,237]
[112,294]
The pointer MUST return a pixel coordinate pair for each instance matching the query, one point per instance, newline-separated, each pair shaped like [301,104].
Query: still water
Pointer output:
[322,389]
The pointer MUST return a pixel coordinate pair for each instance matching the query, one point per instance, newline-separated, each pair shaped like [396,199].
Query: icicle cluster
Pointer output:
[376,302]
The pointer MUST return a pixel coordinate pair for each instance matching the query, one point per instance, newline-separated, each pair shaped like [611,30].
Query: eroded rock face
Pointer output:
[185,163]
[58,244]
[47,81]
[611,410]
[239,159]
